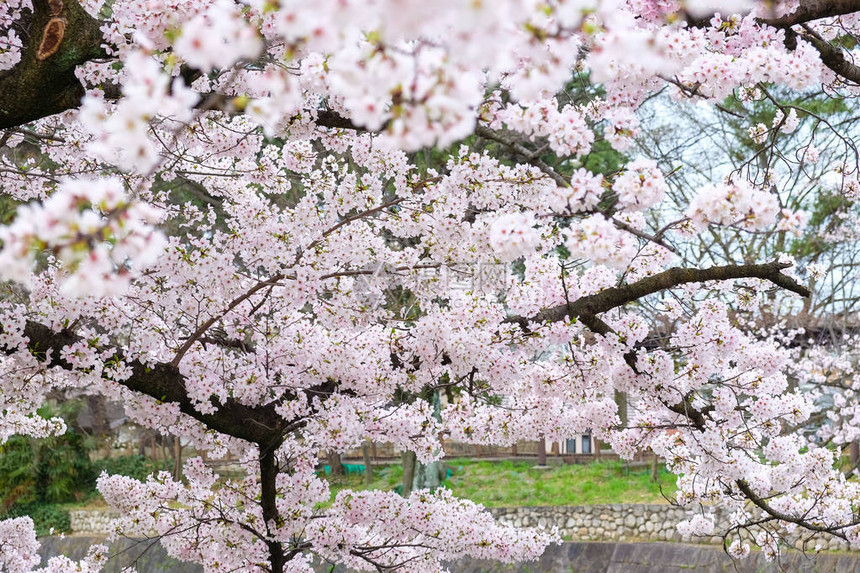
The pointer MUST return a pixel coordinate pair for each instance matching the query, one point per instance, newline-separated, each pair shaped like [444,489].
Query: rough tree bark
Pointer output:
[59,35]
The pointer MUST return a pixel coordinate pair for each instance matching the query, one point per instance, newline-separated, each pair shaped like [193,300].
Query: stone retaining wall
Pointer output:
[91,521]
[632,522]
[617,522]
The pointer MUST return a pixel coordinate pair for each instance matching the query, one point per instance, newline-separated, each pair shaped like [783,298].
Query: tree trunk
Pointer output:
[268,502]
[177,458]
[655,469]
[542,451]
[409,461]
[854,453]
[100,424]
[368,467]
[142,436]
[334,462]
[429,476]
[621,402]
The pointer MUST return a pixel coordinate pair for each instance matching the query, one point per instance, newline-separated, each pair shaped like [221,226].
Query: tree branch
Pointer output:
[832,57]
[257,424]
[809,10]
[607,299]
[697,419]
[586,309]
[517,147]
[201,330]
[43,83]
[657,239]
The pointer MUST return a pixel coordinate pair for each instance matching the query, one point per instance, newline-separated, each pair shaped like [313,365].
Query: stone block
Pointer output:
[630,520]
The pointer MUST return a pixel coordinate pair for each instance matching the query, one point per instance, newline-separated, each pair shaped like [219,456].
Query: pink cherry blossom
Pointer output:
[282,229]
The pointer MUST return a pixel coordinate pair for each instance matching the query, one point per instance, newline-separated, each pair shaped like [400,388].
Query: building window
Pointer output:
[586,443]
[571,446]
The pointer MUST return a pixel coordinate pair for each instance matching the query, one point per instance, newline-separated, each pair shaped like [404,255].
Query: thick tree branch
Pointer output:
[59,37]
[809,10]
[833,57]
[327,118]
[257,424]
[762,504]
[586,309]
[592,305]
[261,425]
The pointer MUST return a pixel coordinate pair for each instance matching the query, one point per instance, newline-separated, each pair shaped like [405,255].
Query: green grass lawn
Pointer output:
[491,483]
[512,483]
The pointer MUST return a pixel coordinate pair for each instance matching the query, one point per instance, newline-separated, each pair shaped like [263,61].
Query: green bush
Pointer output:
[38,475]
[18,469]
[51,470]
[48,518]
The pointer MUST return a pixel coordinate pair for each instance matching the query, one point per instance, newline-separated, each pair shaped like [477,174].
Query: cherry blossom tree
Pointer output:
[268,226]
